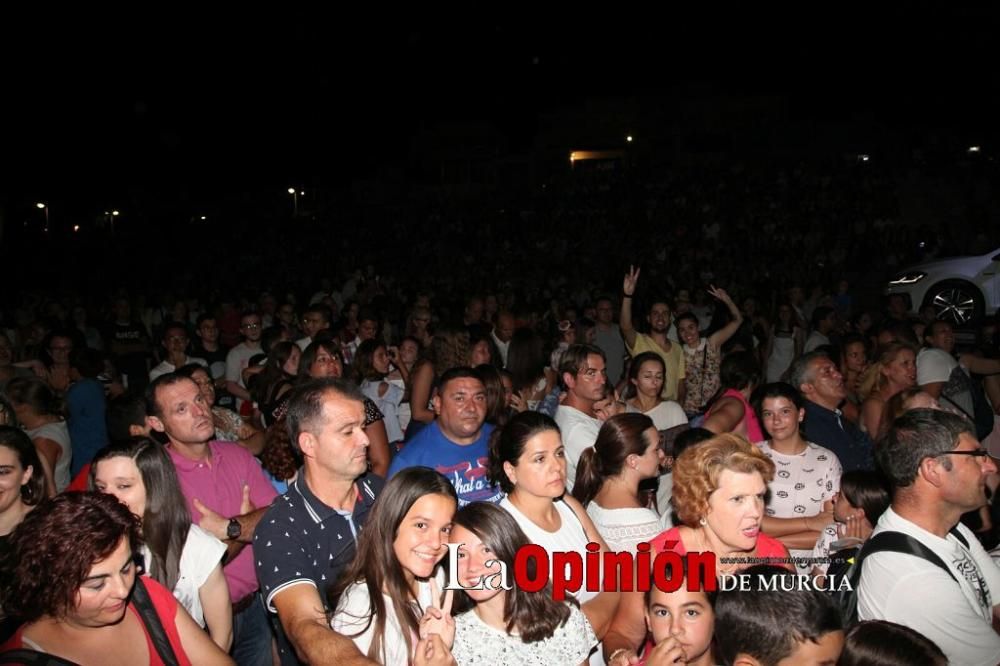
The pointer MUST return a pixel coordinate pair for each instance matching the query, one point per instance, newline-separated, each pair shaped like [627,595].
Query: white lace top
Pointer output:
[624,529]
[477,643]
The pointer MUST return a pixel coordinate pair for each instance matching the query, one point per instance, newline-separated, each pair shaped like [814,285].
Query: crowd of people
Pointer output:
[290,475]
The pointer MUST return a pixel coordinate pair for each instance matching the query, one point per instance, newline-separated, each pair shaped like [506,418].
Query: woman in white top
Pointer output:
[38,410]
[627,451]
[646,375]
[806,478]
[178,554]
[528,461]
[508,627]
[371,367]
[387,600]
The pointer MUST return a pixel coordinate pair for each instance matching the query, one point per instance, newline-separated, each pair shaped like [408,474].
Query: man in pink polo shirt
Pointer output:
[227,495]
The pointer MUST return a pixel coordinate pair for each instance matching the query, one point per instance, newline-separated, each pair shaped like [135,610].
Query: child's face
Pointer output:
[825,652]
[842,508]
[684,615]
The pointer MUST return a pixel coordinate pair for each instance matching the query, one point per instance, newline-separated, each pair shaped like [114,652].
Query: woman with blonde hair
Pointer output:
[894,371]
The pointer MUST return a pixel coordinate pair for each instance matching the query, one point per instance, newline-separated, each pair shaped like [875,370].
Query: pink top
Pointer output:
[766,546]
[754,432]
[218,484]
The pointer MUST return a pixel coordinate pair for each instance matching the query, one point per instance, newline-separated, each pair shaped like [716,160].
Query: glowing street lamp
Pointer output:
[974,149]
[44,207]
[295,200]
[629,138]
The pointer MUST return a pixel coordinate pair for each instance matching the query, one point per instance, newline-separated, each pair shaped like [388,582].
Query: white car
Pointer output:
[961,289]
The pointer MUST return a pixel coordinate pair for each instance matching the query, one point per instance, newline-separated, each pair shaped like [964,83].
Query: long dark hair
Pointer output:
[18,441]
[166,519]
[525,358]
[535,616]
[364,367]
[620,437]
[309,357]
[497,413]
[266,383]
[631,389]
[375,565]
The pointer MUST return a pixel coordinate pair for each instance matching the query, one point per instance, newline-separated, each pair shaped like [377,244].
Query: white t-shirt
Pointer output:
[202,553]
[58,432]
[802,483]
[478,644]
[913,592]
[166,367]
[354,609]
[937,365]
[665,415]
[816,339]
[579,432]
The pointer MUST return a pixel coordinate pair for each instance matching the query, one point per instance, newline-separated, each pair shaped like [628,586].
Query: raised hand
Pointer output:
[246,505]
[212,522]
[437,618]
[628,284]
[720,294]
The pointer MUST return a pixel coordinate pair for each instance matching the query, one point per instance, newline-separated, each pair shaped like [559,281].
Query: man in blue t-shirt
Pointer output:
[456,443]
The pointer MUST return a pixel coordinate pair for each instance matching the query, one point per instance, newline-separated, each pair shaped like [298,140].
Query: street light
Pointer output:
[629,138]
[46,209]
[295,200]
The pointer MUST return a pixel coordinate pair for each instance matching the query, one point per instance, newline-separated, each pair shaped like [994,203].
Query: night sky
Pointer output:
[106,107]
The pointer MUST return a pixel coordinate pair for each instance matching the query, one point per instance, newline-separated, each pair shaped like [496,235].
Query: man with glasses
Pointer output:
[938,472]
[239,356]
[582,374]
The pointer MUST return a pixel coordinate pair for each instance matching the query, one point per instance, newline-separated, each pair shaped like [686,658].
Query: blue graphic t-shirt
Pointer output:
[463,465]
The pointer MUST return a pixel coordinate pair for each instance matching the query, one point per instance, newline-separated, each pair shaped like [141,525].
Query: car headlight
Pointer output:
[911,277]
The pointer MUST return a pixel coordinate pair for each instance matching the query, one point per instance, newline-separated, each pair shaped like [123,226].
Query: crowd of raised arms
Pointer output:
[226,472]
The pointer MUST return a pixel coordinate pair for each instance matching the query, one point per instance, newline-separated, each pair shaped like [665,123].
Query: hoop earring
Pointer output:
[702,522]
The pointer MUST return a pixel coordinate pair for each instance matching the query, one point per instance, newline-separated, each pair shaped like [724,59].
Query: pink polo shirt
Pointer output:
[218,483]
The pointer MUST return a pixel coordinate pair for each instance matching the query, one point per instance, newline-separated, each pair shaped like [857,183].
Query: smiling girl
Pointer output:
[389,587]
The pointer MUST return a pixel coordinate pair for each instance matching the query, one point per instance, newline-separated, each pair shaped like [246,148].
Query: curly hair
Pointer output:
[449,349]
[697,471]
[53,550]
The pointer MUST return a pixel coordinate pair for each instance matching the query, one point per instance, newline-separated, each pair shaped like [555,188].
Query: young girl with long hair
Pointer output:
[382,600]
[177,553]
[498,627]
[371,367]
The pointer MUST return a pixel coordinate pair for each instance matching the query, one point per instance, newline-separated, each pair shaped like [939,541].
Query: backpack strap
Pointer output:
[151,620]
[898,542]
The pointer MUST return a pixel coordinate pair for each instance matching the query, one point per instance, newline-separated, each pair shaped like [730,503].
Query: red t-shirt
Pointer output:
[766,546]
[166,608]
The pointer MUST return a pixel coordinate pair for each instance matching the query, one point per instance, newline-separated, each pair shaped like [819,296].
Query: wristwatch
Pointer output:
[234,529]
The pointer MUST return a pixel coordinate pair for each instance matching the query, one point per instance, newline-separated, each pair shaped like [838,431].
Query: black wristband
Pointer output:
[624,295]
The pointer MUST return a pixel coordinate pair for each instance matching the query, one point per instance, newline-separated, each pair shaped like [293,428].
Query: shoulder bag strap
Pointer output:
[149,617]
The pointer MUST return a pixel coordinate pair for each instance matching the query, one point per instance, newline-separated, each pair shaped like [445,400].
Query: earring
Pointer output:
[702,522]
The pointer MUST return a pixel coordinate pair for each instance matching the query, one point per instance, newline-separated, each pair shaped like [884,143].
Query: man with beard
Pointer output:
[657,340]
[938,471]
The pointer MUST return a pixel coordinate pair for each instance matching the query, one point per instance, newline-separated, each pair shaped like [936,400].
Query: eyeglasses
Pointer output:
[974,452]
